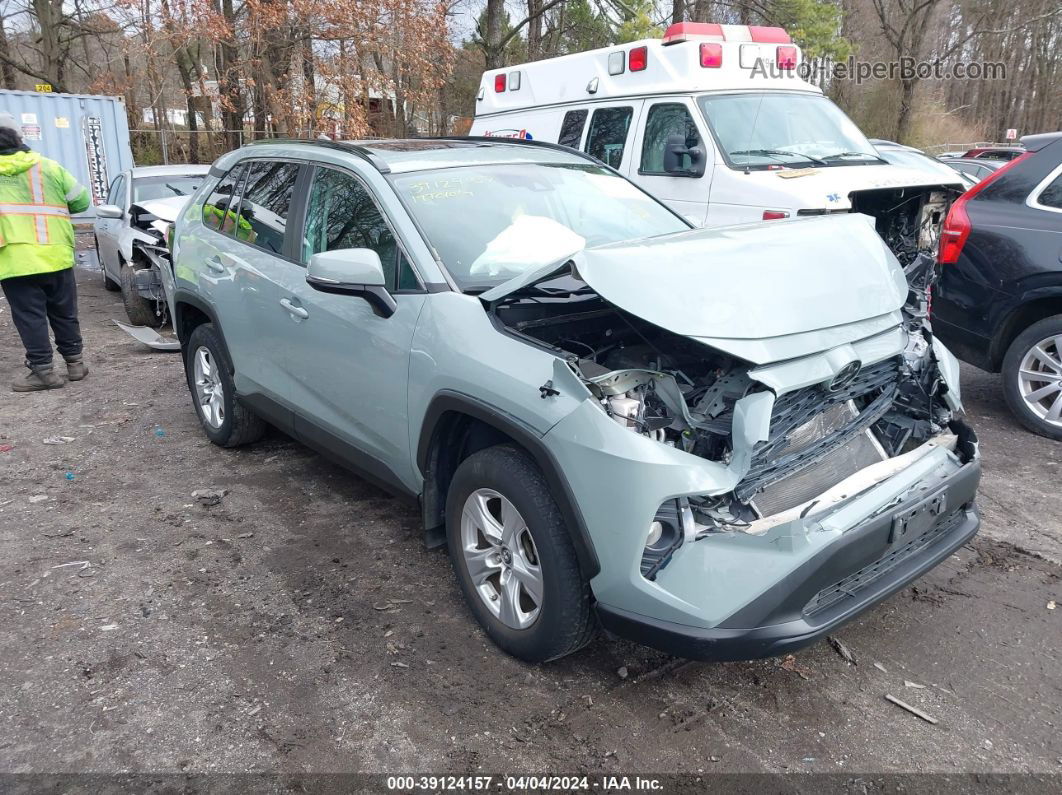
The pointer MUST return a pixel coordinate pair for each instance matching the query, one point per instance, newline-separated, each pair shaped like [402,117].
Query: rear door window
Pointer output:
[221,209]
[571,132]
[266,203]
[607,137]
[1051,196]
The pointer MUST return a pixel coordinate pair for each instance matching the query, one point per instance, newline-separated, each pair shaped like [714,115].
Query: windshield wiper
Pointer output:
[864,155]
[783,152]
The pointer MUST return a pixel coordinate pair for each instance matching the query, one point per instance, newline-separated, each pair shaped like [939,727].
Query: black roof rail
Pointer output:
[380,165]
[344,146]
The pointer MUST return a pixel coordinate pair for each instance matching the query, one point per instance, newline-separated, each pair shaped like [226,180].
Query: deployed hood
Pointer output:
[753,282]
[165,209]
[18,162]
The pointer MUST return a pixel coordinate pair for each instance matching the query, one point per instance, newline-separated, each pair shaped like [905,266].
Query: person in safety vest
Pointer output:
[37,196]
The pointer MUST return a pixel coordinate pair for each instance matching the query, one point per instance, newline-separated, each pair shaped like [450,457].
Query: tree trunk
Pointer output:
[678,11]
[185,65]
[7,71]
[492,36]
[905,114]
[49,17]
[228,69]
[534,30]
[309,79]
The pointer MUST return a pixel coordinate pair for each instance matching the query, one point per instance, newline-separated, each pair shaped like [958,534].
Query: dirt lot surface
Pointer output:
[300,624]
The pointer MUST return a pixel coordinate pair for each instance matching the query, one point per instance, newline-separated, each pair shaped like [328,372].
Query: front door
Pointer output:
[686,195]
[108,229]
[347,367]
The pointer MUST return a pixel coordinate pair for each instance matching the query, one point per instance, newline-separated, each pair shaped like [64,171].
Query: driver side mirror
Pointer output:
[675,149]
[352,271]
[109,211]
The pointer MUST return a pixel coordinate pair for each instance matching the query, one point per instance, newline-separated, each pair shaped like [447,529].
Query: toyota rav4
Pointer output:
[721,443]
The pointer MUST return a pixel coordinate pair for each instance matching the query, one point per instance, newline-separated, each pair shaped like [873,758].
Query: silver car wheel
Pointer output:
[501,558]
[209,390]
[1040,380]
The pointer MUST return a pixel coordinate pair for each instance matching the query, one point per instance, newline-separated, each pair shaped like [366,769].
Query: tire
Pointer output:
[139,310]
[1038,415]
[235,424]
[563,622]
[109,284]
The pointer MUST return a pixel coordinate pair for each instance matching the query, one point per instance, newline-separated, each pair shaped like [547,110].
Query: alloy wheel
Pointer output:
[501,558]
[1040,380]
[208,387]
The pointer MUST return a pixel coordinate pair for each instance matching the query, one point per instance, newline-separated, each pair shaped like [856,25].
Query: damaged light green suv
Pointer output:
[721,443]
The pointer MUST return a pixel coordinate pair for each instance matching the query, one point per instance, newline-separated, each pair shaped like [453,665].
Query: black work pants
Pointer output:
[38,301]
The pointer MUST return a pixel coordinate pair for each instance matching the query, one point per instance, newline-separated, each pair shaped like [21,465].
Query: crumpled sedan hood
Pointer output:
[729,286]
[165,209]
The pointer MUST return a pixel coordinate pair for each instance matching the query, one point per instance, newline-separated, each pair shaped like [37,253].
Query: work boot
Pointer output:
[76,369]
[40,377]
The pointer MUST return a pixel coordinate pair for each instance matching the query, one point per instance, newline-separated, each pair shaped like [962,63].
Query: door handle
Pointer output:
[296,311]
[215,264]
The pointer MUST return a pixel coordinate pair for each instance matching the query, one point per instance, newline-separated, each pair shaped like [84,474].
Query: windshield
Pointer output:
[765,129]
[491,223]
[148,188]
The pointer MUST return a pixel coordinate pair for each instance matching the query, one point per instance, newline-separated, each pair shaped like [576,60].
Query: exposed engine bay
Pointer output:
[910,220]
[681,393]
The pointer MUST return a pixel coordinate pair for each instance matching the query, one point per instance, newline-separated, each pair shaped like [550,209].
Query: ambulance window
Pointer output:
[608,134]
[571,132]
[665,120]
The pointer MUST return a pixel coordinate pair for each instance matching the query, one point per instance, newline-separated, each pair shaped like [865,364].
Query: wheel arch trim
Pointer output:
[450,402]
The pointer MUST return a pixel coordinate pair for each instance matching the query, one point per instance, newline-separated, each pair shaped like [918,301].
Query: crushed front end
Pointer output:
[743,509]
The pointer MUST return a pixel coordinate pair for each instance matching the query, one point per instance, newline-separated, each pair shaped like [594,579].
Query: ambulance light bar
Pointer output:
[760,34]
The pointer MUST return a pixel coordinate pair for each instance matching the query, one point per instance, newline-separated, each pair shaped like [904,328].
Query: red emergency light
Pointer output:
[638,59]
[499,83]
[683,31]
[786,57]
[766,35]
[711,54]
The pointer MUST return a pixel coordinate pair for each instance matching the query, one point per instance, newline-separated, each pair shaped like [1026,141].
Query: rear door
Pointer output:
[230,270]
[260,254]
[685,194]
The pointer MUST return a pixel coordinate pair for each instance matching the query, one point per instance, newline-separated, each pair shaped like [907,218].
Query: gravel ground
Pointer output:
[300,625]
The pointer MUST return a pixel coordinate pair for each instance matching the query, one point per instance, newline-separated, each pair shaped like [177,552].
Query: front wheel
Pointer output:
[139,310]
[226,421]
[513,556]
[1032,377]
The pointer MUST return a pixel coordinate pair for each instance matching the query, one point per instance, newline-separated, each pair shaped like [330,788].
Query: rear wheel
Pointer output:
[513,556]
[1032,377]
[139,310]
[226,421]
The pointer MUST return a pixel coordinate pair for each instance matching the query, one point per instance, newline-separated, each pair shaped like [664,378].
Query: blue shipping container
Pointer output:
[87,134]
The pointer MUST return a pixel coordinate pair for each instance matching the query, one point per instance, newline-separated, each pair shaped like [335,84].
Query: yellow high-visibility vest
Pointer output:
[37,196]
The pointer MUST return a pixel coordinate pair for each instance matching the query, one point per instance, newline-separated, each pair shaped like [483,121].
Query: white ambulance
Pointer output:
[716,121]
